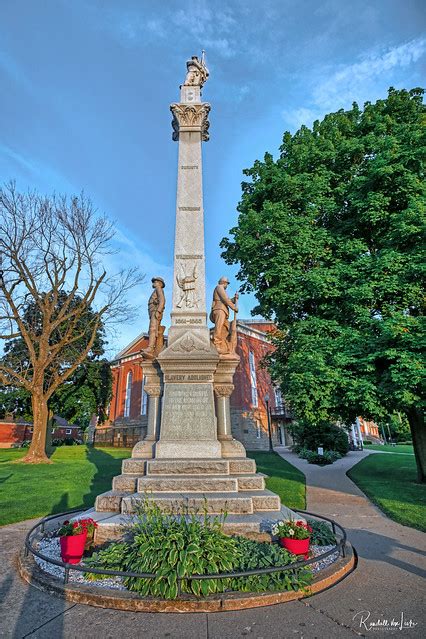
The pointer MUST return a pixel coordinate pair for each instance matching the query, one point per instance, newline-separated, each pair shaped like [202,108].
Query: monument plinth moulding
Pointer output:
[189,456]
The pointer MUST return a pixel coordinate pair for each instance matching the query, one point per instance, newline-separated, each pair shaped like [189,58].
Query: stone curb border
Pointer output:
[119,600]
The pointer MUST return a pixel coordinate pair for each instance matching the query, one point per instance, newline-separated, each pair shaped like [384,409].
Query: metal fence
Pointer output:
[340,547]
[118,437]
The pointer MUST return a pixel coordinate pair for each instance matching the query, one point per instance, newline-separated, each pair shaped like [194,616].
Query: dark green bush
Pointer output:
[171,547]
[325,435]
[313,458]
[322,534]
[367,442]
[261,555]
[304,453]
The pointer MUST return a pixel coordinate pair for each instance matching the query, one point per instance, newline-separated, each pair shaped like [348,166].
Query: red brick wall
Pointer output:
[60,432]
[119,382]
[12,433]
[241,398]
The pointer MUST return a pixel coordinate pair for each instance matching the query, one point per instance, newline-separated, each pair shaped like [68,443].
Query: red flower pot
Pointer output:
[296,546]
[72,547]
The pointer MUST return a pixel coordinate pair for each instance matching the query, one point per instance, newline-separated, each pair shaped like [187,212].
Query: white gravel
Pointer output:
[50,547]
[323,563]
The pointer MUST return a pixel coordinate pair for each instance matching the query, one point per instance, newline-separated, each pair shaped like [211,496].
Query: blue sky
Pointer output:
[86,88]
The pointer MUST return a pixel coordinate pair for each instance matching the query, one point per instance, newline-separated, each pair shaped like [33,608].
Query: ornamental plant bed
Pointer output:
[264,568]
[177,548]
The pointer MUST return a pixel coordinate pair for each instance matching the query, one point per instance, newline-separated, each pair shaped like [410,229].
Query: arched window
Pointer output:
[253,380]
[144,397]
[128,394]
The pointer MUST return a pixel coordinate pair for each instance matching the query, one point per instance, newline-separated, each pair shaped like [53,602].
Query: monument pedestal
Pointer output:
[188,420]
[189,461]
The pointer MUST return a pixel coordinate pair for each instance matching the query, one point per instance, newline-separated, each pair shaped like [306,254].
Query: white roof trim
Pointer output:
[132,343]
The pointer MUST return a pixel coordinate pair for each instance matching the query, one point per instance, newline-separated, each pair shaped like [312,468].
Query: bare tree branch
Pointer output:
[52,251]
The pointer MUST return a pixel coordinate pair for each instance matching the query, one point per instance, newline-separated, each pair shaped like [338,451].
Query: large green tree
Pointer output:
[329,240]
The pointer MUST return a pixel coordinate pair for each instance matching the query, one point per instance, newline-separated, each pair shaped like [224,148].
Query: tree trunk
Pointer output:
[37,451]
[418,433]
[50,422]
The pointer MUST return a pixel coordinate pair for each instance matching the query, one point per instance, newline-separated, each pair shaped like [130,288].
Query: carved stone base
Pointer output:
[188,449]
[144,448]
[232,448]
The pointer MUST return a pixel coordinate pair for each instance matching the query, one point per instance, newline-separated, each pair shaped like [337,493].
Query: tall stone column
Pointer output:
[188,420]
[223,411]
[153,388]
[223,388]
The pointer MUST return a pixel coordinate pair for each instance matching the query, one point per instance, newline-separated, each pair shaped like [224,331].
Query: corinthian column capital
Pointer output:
[224,390]
[190,117]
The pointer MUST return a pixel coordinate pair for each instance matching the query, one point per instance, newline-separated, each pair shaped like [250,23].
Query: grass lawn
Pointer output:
[391,449]
[390,482]
[78,474]
[284,479]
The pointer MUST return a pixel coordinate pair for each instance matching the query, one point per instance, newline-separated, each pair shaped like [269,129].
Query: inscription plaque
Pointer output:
[188,409]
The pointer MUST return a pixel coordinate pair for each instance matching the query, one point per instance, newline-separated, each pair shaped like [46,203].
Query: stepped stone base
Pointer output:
[112,525]
[191,486]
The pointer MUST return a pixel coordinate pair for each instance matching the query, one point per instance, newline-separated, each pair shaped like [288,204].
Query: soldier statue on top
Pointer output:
[197,72]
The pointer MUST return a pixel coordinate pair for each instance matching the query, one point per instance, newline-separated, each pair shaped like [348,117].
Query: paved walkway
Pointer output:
[386,584]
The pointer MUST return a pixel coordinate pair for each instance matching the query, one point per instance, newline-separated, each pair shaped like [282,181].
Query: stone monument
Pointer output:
[189,456]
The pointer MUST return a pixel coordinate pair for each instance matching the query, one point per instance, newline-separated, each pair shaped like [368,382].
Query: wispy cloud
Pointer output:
[211,29]
[32,170]
[363,80]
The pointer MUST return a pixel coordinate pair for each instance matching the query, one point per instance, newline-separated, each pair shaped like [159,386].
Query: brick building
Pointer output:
[128,408]
[13,433]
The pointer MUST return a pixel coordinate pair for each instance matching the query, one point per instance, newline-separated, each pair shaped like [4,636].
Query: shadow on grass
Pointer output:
[107,467]
[62,505]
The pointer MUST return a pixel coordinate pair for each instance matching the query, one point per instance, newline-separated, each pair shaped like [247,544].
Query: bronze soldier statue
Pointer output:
[219,315]
[156,304]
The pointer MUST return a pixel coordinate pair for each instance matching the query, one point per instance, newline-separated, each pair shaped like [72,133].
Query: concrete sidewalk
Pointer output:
[387,582]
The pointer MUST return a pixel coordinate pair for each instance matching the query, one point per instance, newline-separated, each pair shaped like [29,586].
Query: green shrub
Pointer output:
[262,555]
[313,458]
[332,455]
[304,452]
[328,457]
[173,546]
[322,534]
[367,442]
[325,435]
